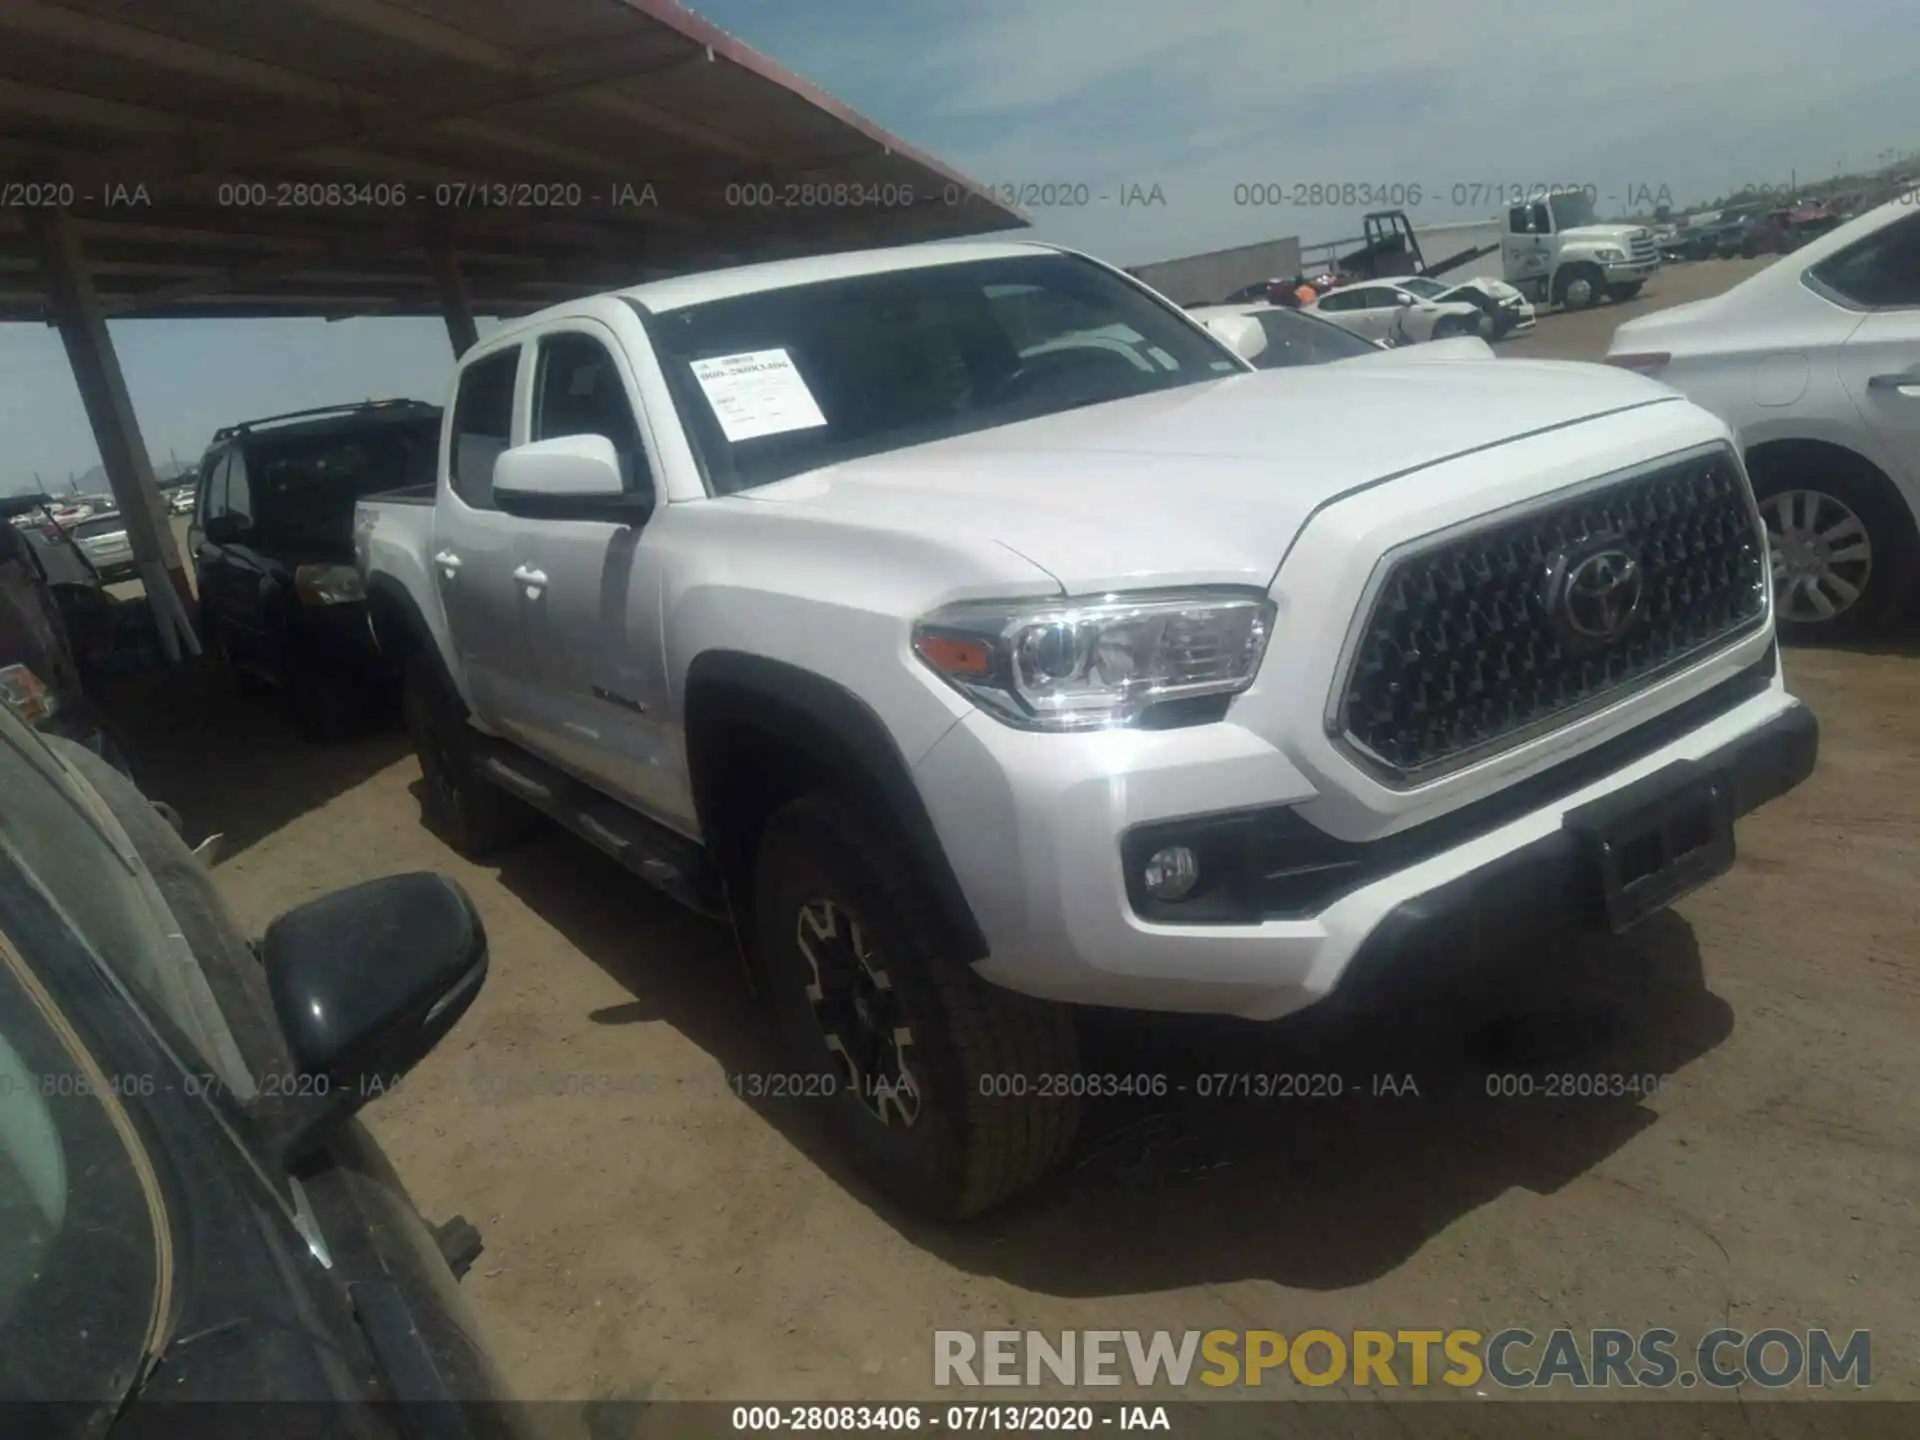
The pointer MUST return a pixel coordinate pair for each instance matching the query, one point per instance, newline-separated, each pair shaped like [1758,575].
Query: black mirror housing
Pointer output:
[364,982]
[223,529]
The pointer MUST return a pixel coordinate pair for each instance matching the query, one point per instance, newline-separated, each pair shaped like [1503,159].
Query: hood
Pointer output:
[1604,234]
[1454,347]
[1209,483]
[1498,289]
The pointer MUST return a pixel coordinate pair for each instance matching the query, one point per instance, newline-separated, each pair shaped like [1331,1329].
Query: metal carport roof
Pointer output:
[560,146]
[198,158]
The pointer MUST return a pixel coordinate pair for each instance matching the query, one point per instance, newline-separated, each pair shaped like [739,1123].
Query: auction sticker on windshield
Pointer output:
[758,393]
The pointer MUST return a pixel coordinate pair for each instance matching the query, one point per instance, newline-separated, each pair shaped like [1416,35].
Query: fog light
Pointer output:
[1171,873]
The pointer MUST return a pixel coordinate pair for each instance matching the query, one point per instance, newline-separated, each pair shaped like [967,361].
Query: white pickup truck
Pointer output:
[977,673]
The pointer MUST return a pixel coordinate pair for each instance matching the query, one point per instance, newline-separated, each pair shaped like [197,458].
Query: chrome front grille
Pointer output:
[1643,249]
[1480,639]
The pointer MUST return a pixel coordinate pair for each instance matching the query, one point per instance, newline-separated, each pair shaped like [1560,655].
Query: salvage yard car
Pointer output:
[974,688]
[272,541]
[1815,361]
[189,1210]
[108,547]
[1507,310]
[1389,310]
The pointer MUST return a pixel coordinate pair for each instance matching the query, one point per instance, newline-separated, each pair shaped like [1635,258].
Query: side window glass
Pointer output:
[1518,220]
[1542,217]
[482,425]
[578,391]
[215,501]
[1882,271]
[239,493]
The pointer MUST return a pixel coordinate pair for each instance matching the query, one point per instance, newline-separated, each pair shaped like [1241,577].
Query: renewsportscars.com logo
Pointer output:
[1511,1359]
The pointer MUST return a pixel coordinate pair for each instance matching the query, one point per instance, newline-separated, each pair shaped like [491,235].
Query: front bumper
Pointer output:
[1628,271]
[1036,831]
[1439,937]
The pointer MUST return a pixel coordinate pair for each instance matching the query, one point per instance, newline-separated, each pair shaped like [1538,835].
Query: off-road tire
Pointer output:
[457,802]
[995,1068]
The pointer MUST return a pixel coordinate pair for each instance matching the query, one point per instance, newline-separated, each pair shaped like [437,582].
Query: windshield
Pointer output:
[1296,339]
[1571,208]
[303,489]
[80,1260]
[1426,289]
[100,525]
[783,381]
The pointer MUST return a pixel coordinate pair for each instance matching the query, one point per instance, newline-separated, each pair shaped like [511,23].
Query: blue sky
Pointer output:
[1698,96]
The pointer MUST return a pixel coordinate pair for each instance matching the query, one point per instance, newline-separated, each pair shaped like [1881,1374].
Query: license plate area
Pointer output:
[1655,840]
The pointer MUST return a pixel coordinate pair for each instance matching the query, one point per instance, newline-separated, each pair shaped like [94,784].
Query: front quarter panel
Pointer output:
[830,597]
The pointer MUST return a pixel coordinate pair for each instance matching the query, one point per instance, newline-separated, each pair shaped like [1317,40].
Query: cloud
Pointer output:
[1631,96]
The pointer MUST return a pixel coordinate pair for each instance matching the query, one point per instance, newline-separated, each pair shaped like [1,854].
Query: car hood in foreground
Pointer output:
[1212,481]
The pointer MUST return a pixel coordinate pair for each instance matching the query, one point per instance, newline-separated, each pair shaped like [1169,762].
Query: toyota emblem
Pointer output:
[1596,596]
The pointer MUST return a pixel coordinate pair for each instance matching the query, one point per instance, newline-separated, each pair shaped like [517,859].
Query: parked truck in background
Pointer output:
[1552,249]
[1556,251]
[984,638]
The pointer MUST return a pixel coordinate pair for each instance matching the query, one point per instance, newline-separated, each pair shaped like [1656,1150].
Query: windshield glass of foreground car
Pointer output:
[784,381]
[62,838]
[1296,339]
[82,1264]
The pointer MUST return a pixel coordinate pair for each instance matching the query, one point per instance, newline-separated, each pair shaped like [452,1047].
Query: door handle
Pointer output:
[448,562]
[1907,383]
[534,580]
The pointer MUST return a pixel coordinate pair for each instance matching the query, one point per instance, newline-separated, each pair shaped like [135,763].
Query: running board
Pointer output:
[669,862]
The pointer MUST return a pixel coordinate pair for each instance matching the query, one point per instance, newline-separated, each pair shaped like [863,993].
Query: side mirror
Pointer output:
[1242,334]
[364,982]
[559,476]
[224,529]
[1405,302]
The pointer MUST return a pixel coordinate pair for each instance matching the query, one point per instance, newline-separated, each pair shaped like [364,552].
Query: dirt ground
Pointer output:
[661,1236]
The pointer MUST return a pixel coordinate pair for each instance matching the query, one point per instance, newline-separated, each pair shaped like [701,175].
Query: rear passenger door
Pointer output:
[591,590]
[1880,363]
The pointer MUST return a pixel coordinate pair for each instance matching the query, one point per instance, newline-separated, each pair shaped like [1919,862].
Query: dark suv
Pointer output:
[272,540]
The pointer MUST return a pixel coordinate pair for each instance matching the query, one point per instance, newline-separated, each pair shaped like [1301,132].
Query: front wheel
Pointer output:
[1578,287]
[945,1092]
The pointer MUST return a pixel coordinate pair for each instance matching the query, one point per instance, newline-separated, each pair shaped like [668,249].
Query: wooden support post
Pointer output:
[82,325]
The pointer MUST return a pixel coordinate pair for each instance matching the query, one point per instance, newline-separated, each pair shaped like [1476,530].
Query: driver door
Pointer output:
[590,593]
[1529,248]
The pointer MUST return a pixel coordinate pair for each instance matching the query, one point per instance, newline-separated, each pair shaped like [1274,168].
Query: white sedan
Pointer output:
[1509,311]
[1815,361]
[1389,310]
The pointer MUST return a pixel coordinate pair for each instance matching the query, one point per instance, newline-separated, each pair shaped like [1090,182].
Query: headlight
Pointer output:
[1608,257]
[1095,663]
[328,584]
